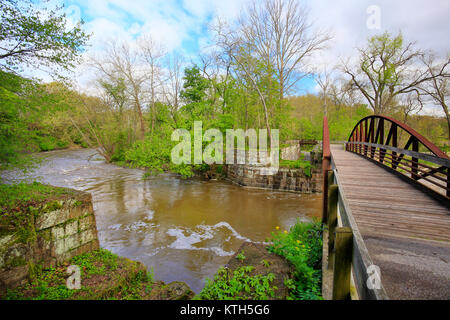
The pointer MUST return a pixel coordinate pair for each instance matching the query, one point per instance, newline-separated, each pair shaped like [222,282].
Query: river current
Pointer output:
[183,229]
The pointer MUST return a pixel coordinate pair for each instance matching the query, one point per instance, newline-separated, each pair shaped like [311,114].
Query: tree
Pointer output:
[120,61]
[233,45]
[37,38]
[172,85]
[438,86]
[325,82]
[387,69]
[194,93]
[280,33]
[152,53]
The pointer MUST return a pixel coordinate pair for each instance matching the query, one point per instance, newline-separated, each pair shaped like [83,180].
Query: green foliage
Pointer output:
[265,263]
[14,132]
[50,283]
[302,246]
[21,204]
[15,197]
[96,262]
[48,143]
[38,37]
[195,85]
[239,285]
[296,164]
[241,256]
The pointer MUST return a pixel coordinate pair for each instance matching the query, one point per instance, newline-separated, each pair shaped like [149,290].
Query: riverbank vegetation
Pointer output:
[105,275]
[21,203]
[256,277]
[250,76]
[143,92]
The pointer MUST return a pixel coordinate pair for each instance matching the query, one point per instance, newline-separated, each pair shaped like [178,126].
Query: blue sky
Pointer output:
[182,24]
[185,27]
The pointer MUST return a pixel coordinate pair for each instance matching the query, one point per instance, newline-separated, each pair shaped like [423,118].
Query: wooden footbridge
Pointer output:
[387,212]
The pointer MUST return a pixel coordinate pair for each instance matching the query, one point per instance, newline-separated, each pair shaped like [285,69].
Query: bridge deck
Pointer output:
[406,232]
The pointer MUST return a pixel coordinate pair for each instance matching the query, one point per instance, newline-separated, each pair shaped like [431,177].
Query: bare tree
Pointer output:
[438,86]
[410,103]
[172,84]
[386,69]
[152,54]
[120,61]
[283,37]
[233,45]
[325,82]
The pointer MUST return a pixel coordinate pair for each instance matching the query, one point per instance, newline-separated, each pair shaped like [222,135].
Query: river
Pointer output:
[183,229]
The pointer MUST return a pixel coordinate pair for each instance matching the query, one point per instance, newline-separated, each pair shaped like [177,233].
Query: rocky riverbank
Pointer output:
[44,230]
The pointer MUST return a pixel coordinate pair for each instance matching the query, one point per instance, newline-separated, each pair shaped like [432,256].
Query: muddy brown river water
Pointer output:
[183,229]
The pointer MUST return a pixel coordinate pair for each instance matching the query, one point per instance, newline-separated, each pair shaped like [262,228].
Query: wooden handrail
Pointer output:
[360,258]
[348,257]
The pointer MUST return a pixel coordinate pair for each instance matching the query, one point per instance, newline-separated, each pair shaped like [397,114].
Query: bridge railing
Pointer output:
[377,139]
[347,262]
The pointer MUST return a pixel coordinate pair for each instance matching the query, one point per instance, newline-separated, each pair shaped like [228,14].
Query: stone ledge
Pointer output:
[61,234]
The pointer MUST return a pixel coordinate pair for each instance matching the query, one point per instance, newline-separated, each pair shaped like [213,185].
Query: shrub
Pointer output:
[302,246]
[238,285]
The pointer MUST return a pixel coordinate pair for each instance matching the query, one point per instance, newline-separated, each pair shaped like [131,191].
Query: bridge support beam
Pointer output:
[342,263]
[332,221]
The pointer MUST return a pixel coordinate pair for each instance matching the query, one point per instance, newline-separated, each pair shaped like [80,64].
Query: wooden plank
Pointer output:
[395,206]
[361,259]
[383,205]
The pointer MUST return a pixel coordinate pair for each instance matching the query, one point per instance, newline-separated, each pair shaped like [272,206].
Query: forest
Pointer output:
[250,77]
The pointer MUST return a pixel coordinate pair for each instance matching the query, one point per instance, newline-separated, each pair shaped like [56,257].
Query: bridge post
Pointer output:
[332,221]
[325,173]
[448,182]
[415,161]
[326,168]
[365,136]
[342,263]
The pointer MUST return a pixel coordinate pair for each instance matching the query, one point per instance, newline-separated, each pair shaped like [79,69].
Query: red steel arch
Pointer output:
[376,138]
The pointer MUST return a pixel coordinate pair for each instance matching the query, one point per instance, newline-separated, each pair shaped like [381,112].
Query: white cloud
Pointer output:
[177,23]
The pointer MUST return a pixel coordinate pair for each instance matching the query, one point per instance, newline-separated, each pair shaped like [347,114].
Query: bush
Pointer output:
[238,285]
[297,164]
[302,246]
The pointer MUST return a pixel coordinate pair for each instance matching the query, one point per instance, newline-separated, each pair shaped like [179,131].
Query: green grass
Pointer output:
[125,281]
[18,196]
[96,262]
[21,203]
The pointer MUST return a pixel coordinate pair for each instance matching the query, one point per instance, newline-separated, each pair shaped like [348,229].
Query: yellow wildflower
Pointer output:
[277,227]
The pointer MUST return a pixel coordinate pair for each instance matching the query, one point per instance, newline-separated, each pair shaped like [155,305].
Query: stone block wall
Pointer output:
[294,180]
[291,153]
[63,229]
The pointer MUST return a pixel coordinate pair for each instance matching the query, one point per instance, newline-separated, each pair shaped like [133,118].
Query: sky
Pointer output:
[182,25]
